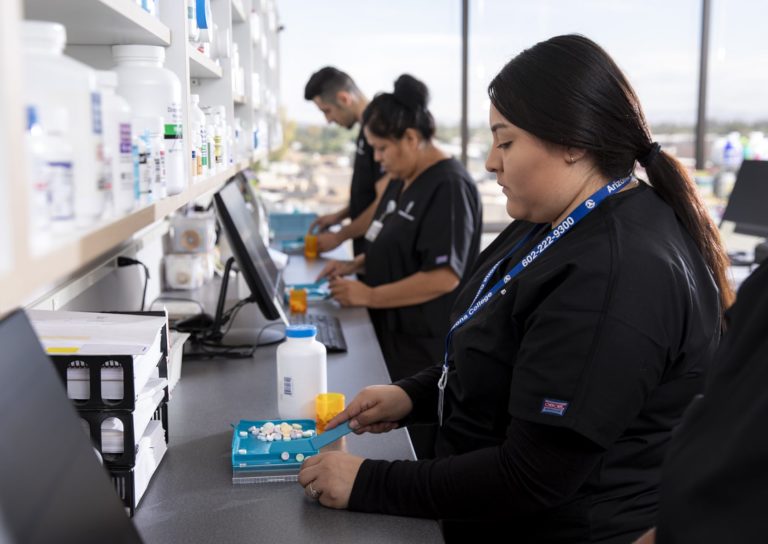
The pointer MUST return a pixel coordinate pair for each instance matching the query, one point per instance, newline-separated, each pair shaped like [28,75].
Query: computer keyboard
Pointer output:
[329,331]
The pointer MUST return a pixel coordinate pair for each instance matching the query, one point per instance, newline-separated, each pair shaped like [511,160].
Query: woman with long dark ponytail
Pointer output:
[582,99]
[578,340]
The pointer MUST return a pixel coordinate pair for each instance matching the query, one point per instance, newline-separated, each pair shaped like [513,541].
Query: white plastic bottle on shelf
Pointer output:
[237,151]
[214,149]
[54,81]
[218,115]
[143,170]
[194,30]
[236,90]
[195,163]
[118,160]
[204,22]
[150,130]
[198,124]
[154,91]
[301,372]
[39,205]
[50,172]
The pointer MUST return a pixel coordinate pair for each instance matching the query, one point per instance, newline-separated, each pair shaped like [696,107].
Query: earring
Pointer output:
[571,160]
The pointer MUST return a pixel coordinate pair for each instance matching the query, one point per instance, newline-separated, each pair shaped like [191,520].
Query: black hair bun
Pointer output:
[411,92]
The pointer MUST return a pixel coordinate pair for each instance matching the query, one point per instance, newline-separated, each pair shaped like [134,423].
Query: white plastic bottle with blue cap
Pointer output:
[301,372]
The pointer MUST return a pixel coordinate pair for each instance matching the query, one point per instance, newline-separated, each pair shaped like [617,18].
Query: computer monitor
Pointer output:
[260,273]
[748,204]
[52,487]
[254,204]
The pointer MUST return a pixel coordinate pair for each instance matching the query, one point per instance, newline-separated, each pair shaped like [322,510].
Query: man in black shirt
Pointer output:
[342,102]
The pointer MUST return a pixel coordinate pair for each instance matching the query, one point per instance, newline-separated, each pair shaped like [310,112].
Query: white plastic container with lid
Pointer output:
[301,372]
[54,81]
[153,91]
[198,122]
[118,161]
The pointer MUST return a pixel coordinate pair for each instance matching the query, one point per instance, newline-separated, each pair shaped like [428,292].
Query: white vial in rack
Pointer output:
[54,81]
[117,143]
[301,372]
[153,91]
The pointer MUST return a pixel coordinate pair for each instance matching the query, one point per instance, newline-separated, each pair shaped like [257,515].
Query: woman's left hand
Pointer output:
[329,477]
[351,292]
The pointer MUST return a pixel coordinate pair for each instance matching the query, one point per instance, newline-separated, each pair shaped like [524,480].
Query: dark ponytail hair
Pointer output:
[568,91]
[389,115]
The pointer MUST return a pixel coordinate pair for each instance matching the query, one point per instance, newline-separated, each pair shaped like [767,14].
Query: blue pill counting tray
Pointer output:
[256,461]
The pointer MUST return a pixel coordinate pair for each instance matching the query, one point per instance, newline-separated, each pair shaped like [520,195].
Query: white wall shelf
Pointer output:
[92,26]
[201,66]
[69,255]
[101,22]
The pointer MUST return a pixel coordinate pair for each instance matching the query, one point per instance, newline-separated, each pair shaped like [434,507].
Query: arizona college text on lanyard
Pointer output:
[554,235]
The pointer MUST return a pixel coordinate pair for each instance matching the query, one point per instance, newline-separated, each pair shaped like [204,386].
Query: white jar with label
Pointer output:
[301,372]
[118,159]
[54,81]
[154,91]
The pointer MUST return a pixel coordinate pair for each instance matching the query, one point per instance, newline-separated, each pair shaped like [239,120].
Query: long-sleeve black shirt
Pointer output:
[563,392]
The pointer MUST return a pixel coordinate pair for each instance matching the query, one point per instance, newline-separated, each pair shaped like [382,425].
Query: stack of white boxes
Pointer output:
[115,370]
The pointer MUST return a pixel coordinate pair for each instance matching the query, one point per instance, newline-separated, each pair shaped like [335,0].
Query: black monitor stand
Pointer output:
[209,332]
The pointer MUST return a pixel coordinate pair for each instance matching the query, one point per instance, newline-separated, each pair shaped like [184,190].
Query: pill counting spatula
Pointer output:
[302,445]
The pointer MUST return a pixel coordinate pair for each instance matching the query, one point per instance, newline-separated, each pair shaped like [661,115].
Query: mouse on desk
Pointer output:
[198,322]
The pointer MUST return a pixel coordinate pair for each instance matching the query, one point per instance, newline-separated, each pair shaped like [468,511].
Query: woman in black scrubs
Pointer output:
[425,234]
[579,338]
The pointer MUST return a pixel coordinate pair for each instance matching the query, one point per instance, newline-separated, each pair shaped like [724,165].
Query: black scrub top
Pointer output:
[715,479]
[437,222]
[362,192]
[606,338]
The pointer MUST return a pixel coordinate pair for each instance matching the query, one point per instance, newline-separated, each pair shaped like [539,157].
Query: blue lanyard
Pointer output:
[554,235]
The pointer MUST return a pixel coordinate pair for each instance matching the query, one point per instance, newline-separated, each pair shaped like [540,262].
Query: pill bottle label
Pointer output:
[62,193]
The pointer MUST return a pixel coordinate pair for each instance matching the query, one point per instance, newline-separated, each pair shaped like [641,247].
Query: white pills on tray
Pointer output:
[277,432]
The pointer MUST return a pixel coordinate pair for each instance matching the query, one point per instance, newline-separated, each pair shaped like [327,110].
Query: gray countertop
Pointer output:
[192,498]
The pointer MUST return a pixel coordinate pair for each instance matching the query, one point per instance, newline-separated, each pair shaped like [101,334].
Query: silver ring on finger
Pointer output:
[313,493]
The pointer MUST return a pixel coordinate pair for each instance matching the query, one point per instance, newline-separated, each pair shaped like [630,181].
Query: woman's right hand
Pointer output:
[375,409]
[333,269]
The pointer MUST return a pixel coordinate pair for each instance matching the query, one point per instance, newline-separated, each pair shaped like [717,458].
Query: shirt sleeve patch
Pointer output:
[554,407]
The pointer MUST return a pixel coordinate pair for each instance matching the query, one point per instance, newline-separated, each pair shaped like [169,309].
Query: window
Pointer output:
[374,43]
[655,42]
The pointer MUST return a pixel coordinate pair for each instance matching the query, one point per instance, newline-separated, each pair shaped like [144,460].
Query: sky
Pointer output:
[655,42]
